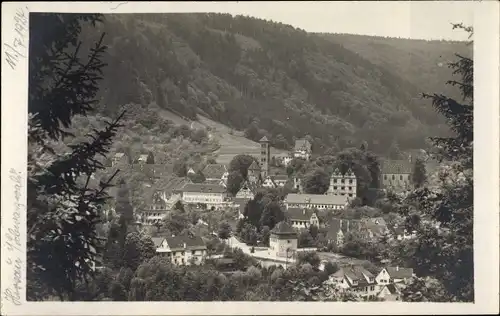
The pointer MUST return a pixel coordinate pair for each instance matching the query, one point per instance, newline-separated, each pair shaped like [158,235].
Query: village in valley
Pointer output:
[220,157]
[300,214]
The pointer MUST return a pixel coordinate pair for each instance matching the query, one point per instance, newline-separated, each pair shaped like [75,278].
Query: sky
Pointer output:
[405,19]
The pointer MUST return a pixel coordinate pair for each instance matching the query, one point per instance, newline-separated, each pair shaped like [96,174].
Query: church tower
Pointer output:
[265,156]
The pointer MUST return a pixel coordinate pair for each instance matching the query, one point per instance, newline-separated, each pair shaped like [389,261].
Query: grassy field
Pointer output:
[232,142]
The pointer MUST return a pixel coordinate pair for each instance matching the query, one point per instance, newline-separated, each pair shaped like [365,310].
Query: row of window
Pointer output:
[394,177]
[343,188]
[343,181]
[197,199]
[318,206]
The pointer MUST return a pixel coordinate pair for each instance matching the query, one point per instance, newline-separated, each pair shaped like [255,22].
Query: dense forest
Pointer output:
[271,79]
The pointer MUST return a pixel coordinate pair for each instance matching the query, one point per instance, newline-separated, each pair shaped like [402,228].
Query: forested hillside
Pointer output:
[272,79]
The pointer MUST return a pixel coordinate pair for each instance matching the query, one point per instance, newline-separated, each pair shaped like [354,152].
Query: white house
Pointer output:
[318,201]
[357,279]
[302,218]
[394,275]
[303,149]
[182,250]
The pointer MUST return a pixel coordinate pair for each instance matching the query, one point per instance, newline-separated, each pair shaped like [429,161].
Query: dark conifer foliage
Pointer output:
[63,207]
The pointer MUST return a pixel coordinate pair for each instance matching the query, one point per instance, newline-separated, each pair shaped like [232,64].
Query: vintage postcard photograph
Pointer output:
[250,158]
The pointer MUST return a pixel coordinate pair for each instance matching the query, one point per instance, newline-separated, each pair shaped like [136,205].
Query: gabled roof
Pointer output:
[248,185]
[203,188]
[191,242]
[345,225]
[214,171]
[302,144]
[396,167]
[376,225]
[283,228]
[157,241]
[392,288]
[254,166]
[264,139]
[269,178]
[299,214]
[316,199]
[356,274]
[172,184]
[399,273]
[119,155]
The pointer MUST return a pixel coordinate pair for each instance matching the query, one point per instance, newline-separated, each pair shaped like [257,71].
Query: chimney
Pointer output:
[397,268]
[185,246]
[340,224]
[304,211]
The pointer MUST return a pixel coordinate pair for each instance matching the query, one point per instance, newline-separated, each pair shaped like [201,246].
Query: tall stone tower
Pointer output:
[265,156]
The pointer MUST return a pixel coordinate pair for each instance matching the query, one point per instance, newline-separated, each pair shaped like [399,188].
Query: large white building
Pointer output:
[343,184]
[318,201]
[212,195]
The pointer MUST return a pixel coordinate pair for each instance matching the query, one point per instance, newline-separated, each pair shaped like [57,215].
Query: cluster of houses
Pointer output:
[387,284]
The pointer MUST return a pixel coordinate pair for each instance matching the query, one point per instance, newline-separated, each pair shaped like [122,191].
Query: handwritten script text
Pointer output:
[12,241]
[14,51]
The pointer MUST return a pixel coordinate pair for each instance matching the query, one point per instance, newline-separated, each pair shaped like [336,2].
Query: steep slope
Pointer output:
[264,78]
[423,63]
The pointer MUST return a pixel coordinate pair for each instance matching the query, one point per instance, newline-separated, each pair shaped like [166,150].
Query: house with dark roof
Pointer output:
[215,172]
[367,228]
[318,201]
[283,240]
[212,195]
[357,279]
[389,292]
[302,149]
[396,274]
[302,218]
[396,174]
[254,172]
[182,250]
[280,180]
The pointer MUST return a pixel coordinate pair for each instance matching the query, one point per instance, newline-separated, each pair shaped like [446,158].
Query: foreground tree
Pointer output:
[62,206]
[443,215]
[224,231]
